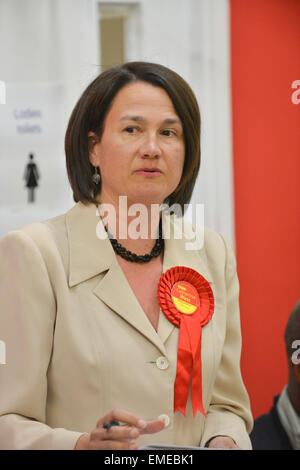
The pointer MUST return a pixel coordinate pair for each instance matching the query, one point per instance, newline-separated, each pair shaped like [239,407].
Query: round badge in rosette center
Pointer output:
[185,297]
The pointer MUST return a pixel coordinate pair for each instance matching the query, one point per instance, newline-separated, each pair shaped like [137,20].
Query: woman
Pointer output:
[87,342]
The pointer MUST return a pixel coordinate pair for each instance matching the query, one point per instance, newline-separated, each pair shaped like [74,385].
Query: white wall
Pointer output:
[193,38]
[209,60]
[49,41]
[54,44]
[48,54]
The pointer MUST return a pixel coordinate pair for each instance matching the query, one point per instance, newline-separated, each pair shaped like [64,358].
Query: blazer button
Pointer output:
[162,362]
[165,419]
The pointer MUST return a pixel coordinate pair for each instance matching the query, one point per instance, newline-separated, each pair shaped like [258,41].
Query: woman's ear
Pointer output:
[93,140]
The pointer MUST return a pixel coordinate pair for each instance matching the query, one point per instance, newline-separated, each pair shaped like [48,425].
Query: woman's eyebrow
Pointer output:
[133,118]
[142,119]
[172,121]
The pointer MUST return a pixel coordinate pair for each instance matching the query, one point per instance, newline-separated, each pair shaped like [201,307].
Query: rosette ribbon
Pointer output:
[187,300]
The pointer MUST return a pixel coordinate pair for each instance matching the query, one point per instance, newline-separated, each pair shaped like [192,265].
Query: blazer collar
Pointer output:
[90,250]
[91,254]
[183,251]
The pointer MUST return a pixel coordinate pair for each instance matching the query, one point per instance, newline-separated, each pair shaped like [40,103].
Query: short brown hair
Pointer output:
[292,330]
[89,116]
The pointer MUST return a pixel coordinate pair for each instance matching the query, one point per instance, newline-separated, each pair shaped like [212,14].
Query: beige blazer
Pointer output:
[78,343]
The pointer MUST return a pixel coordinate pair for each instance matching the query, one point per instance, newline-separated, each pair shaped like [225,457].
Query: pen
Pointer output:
[108,424]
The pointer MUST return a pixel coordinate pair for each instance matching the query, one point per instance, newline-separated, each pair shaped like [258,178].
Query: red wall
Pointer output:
[265,49]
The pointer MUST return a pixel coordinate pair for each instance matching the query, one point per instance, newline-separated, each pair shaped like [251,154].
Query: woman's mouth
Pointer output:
[149,172]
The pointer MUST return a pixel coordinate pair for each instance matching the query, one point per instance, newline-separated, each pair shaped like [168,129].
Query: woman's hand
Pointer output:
[118,437]
[222,442]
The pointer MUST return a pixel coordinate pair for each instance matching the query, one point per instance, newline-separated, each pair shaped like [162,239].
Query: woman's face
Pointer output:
[141,152]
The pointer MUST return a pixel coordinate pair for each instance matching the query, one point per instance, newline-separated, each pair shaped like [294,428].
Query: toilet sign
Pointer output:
[33,178]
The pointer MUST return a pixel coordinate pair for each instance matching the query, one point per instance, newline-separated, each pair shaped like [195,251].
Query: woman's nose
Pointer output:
[150,147]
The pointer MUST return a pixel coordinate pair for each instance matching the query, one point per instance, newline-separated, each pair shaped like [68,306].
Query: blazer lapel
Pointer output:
[91,255]
[115,291]
[177,254]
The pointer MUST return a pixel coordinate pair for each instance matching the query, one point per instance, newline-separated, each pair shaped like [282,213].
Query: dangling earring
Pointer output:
[96,176]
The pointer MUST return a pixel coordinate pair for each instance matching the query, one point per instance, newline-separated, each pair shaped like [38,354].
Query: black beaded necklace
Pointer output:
[133,257]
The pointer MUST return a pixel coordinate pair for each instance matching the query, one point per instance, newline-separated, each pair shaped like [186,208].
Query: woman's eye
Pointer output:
[168,132]
[131,129]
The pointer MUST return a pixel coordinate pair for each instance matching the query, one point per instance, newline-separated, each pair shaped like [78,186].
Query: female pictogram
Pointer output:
[31,177]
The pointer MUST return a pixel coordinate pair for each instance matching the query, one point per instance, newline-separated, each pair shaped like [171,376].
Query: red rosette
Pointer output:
[187,300]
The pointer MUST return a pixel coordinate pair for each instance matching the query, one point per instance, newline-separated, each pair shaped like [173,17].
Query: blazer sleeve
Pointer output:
[27,322]
[229,411]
